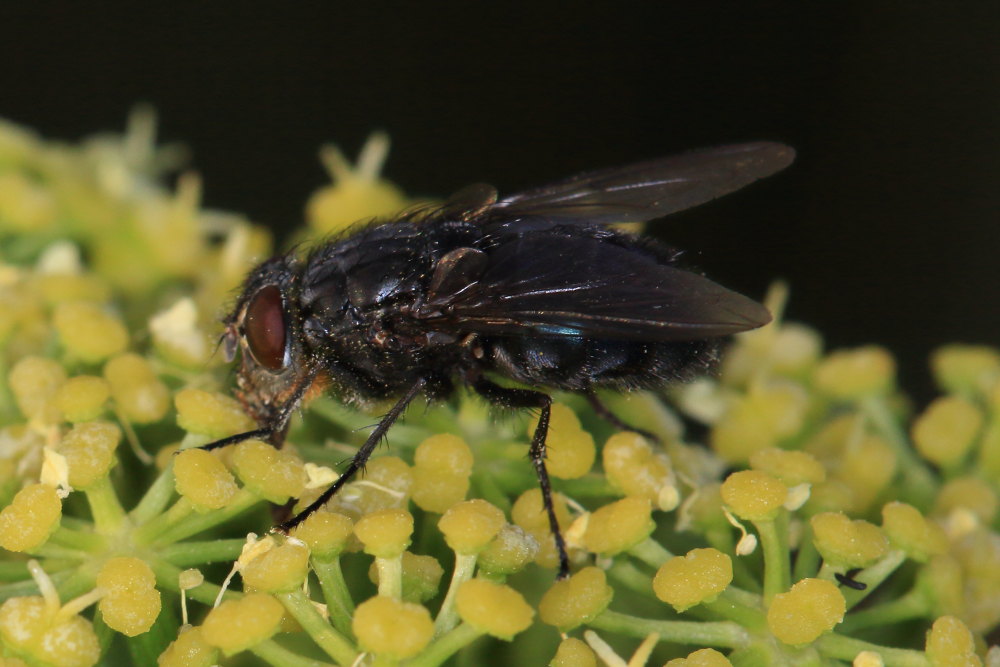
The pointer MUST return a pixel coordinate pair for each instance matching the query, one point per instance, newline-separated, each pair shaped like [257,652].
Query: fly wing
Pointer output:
[648,190]
[553,285]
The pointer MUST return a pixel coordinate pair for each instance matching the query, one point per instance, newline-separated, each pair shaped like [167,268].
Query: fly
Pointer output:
[535,288]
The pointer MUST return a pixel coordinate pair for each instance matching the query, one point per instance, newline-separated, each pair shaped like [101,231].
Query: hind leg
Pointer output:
[607,415]
[526,398]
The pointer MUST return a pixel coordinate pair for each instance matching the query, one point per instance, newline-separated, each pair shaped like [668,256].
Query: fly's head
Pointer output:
[265,326]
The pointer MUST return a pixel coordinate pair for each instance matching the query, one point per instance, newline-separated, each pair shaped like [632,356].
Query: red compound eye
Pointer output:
[264,327]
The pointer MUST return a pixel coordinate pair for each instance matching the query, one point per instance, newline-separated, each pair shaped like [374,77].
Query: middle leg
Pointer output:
[527,398]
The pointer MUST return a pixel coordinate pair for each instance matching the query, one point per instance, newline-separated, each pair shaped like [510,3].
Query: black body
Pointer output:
[534,288]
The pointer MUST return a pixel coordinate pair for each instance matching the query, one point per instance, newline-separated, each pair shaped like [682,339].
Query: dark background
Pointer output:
[886,227]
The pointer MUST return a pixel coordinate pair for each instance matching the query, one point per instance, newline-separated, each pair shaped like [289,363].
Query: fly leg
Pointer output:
[275,431]
[361,457]
[605,413]
[526,398]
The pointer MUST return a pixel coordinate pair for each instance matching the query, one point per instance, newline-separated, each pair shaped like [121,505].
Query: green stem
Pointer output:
[78,540]
[390,576]
[156,498]
[186,554]
[445,646]
[339,604]
[447,616]
[745,598]
[488,489]
[874,576]
[78,583]
[773,542]
[588,486]
[919,484]
[626,573]
[156,526]
[847,648]
[199,522]
[332,642]
[29,587]
[807,559]
[722,633]
[912,605]
[55,551]
[731,608]
[104,505]
[15,571]
[167,576]
[78,524]
[274,653]
[651,552]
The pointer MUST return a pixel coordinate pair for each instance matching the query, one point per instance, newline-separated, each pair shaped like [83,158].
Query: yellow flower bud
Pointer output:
[189,650]
[82,398]
[853,374]
[753,495]
[278,570]
[576,600]
[705,657]
[761,419]
[236,625]
[469,526]
[700,576]
[276,475]
[965,369]
[951,644]
[573,652]
[791,467]
[35,382]
[968,493]
[910,531]
[393,628]
[89,332]
[30,518]
[136,390]
[845,543]
[28,627]
[494,609]
[201,477]
[386,533]
[619,526]
[89,449]
[632,466]
[946,431]
[326,533]
[867,467]
[509,552]
[131,602]
[214,415]
[442,464]
[811,608]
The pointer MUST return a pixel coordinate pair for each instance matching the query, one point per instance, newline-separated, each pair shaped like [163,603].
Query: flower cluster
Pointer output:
[822,520]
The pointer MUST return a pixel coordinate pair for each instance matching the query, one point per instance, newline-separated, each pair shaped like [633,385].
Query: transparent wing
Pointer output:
[556,285]
[652,189]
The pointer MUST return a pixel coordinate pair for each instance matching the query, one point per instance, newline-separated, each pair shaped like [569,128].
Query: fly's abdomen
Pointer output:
[576,363]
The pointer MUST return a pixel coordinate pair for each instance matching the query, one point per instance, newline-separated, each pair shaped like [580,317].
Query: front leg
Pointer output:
[526,398]
[275,429]
[361,457]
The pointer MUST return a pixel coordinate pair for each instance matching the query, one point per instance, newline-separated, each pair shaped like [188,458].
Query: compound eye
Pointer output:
[264,327]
